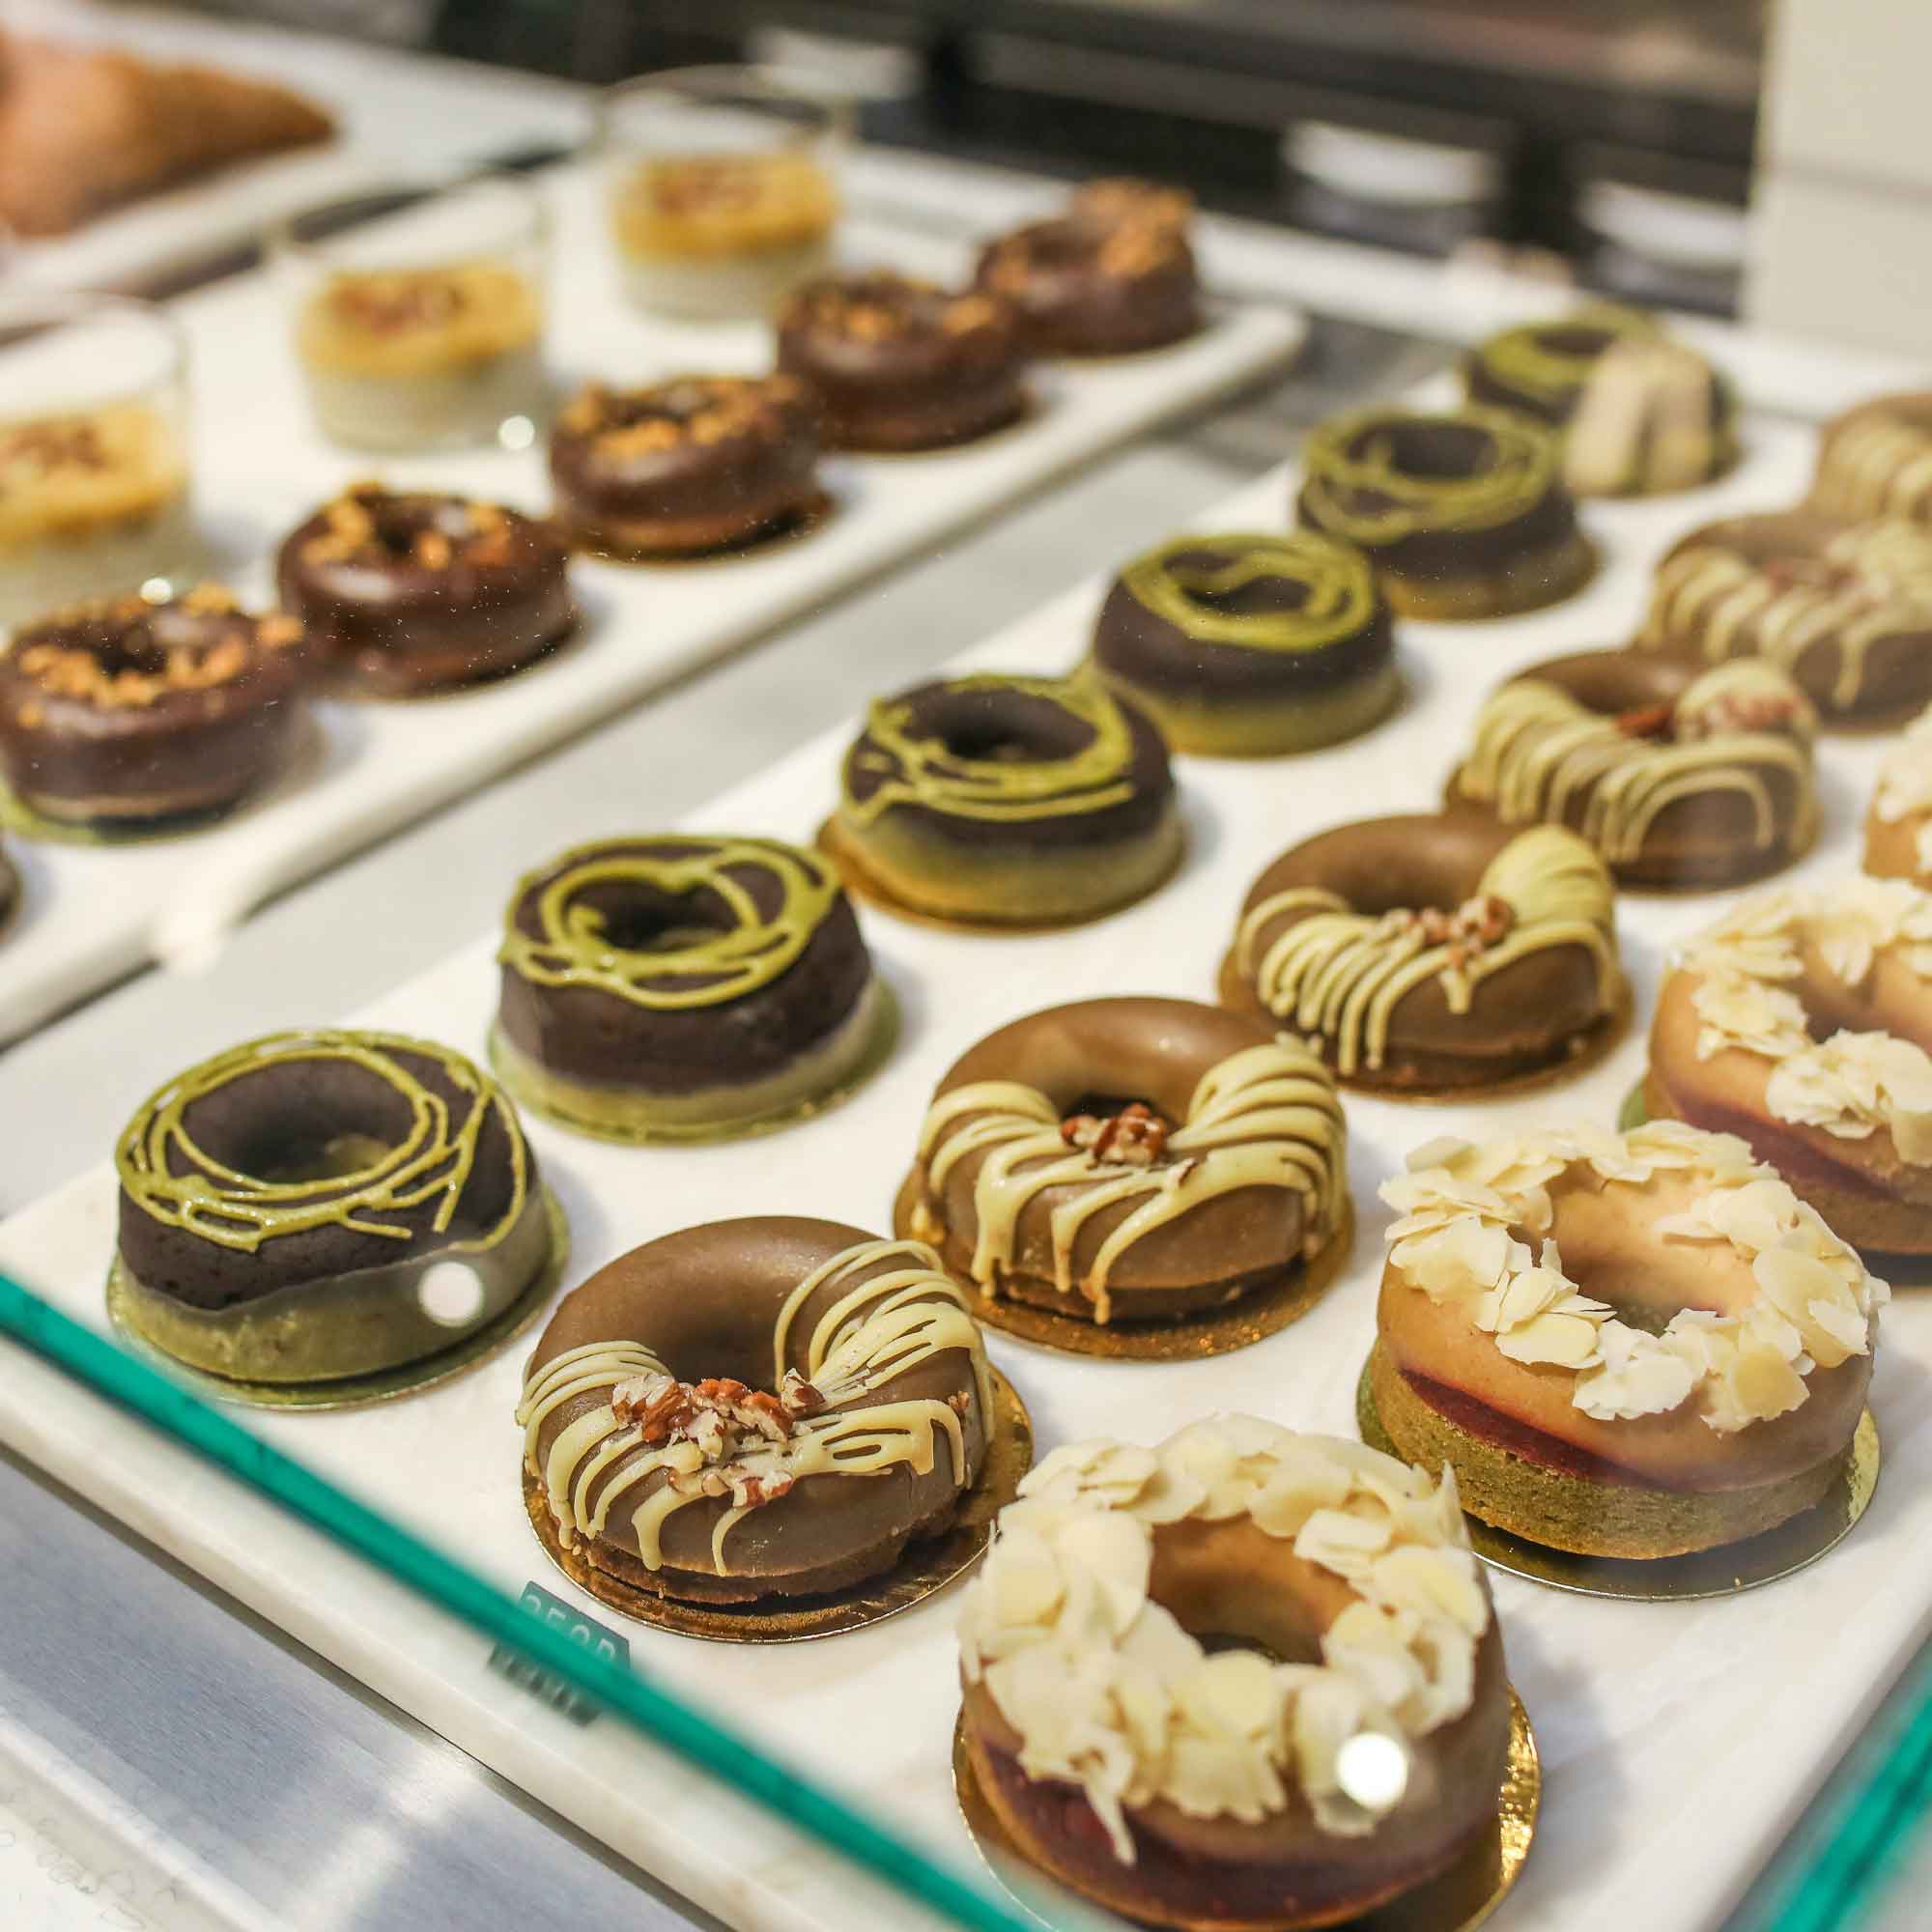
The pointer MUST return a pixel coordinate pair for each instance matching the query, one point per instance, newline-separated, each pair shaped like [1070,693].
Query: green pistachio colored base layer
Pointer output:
[1532,581]
[1243,727]
[818,1079]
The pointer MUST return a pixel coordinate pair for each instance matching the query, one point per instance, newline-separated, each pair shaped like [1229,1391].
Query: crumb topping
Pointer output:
[368,525]
[888,308]
[693,410]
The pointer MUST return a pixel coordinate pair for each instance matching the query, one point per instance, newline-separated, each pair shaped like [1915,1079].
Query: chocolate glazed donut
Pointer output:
[410,592]
[1012,801]
[897,365]
[678,985]
[1248,645]
[770,1407]
[282,1203]
[686,466]
[1679,776]
[1047,1164]
[1111,276]
[1431,953]
[126,711]
[1463,513]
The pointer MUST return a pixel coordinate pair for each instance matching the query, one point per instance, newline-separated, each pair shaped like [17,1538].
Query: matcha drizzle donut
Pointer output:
[1007,800]
[281,1202]
[1876,460]
[1418,994]
[1250,644]
[1540,368]
[1676,776]
[756,1408]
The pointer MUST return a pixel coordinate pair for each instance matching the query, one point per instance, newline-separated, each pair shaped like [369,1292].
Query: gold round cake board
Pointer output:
[361,1391]
[925,1566]
[1191,1338]
[1722,1571]
[861,885]
[532,1099]
[1459,1901]
[1589,1050]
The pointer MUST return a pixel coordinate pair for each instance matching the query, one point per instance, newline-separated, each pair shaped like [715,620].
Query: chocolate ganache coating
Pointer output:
[685,465]
[129,710]
[1463,512]
[407,591]
[898,365]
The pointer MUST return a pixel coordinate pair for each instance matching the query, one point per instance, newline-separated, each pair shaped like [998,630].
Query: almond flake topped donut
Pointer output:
[1085,1672]
[1899,828]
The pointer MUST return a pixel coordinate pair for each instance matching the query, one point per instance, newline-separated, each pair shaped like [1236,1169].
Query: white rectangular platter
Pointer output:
[1678,1740]
[92,913]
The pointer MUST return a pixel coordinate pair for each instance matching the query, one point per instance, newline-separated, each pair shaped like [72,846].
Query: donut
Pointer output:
[1677,774]
[770,1408]
[292,1210]
[1432,954]
[1642,415]
[1007,801]
[1249,645]
[1463,512]
[1129,1159]
[1898,826]
[1167,1648]
[1112,275]
[1622,1344]
[677,986]
[1845,608]
[897,365]
[128,711]
[1876,460]
[685,466]
[10,890]
[1801,1023]
[402,592]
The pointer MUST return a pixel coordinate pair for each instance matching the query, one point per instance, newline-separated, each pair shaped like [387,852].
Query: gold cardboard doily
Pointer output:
[1190,1338]
[924,1567]
[532,1100]
[1722,1571]
[387,1385]
[1589,1050]
[857,881]
[780,535]
[1459,1901]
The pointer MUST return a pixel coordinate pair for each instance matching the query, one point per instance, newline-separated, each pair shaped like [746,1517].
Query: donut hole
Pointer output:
[1104,1106]
[1435,451]
[1575,341]
[299,1122]
[1232,1587]
[643,919]
[1000,727]
[130,648]
[1258,597]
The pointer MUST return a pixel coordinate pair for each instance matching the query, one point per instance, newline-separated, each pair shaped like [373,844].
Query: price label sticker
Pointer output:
[546,1684]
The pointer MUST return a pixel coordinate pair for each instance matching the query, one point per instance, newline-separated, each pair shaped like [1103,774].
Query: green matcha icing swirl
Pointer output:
[431,1163]
[697,967]
[924,771]
[1355,488]
[1339,589]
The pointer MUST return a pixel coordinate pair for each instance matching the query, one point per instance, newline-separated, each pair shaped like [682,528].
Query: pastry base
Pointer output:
[925,1566]
[1530,584]
[1461,1899]
[1722,1571]
[1253,1315]
[357,1391]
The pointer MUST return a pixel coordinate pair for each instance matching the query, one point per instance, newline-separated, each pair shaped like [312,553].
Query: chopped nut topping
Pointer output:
[1472,928]
[1646,720]
[1134,1137]
[431,549]
[1733,713]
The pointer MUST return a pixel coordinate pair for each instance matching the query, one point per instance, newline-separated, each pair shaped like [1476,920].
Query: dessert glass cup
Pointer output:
[418,313]
[94,468]
[723,187]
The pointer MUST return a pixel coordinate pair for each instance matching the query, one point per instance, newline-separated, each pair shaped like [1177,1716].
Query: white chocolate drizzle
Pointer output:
[1876,465]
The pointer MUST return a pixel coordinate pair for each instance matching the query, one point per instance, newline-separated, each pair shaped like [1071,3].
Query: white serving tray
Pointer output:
[92,913]
[1679,1741]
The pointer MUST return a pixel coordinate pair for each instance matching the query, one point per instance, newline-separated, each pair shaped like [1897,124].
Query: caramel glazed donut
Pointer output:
[405,593]
[123,711]
[283,1204]
[1679,776]
[1898,827]
[1250,645]
[1844,608]
[1191,1787]
[1463,513]
[765,1407]
[1631,1346]
[681,986]
[1008,800]
[1802,1023]
[1431,955]
[897,365]
[686,466]
[1111,275]
[1129,1159]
